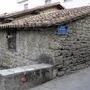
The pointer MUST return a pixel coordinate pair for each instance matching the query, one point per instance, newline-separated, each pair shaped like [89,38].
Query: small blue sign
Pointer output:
[63,30]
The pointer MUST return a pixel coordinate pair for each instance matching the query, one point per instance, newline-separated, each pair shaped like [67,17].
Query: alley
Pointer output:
[76,81]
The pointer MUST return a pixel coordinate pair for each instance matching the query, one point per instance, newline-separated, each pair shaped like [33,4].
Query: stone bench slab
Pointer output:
[33,75]
[24,69]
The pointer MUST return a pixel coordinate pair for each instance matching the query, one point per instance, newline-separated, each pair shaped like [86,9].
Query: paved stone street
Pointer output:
[76,81]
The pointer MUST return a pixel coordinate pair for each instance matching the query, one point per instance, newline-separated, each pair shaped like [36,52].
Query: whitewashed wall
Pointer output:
[76,3]
[34,3]
[68,4]
[8,6]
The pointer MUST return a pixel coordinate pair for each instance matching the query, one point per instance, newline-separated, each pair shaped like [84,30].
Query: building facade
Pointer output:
[46,35]
[27,4]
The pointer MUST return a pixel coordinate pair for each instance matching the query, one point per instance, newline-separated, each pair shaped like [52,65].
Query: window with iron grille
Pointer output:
[67,0]
[47,1]
[11,40]
[26,6]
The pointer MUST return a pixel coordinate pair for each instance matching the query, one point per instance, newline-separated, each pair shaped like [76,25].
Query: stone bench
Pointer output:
[23,78]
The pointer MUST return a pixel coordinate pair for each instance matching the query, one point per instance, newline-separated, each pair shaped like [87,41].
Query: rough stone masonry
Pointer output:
[43,45]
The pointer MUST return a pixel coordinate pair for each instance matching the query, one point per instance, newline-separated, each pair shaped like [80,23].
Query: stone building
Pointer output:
[46,35]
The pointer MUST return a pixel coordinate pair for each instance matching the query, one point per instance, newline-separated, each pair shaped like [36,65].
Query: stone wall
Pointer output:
[43,45]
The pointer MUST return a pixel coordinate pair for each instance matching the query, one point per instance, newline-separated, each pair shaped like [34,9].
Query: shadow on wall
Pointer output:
[45,58]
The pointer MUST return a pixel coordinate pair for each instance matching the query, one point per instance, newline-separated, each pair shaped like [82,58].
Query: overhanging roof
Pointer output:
[46,19]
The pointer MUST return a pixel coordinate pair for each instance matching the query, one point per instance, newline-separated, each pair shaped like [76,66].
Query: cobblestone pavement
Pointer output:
[76,81]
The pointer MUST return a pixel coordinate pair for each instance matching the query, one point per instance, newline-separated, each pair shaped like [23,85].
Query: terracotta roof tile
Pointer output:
[54,17]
